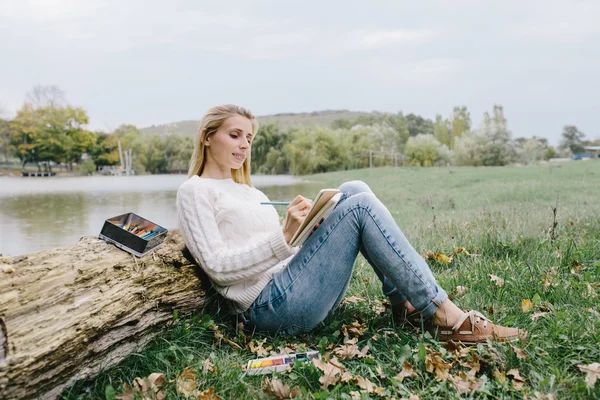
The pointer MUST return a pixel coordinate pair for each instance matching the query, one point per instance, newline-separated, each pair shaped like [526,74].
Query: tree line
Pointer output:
[417,141]
[47,129]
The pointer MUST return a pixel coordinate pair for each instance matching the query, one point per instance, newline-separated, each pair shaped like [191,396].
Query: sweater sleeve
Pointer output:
[222,264]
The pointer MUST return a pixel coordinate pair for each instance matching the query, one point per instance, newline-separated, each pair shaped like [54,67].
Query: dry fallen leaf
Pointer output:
[499,281]
[332,371]
[232,343]
[593,373]
[364,384]
[526,305]
[591,293]
[347,376]
[460,290]
[537,315]
[354,395]
[208,394]
[442,258]
[147,388]
[186,384]
[352,299]
[521,355]
[346,352]
[157,381]
[465,383]
[517,381]
[500,376]
[258,348]
[207,366]
[284,350]
[127,393]
[278,390]
[355,329]
[464,251]
[435,363]
[472,365]
[407,372]
[378,307]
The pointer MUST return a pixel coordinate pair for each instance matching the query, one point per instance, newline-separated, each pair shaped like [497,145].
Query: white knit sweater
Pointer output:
[237,241]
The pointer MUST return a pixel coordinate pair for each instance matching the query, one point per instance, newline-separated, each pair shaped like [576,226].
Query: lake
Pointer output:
[43,213]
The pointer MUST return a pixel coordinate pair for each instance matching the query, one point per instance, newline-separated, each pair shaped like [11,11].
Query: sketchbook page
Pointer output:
[323,213]
[322,198]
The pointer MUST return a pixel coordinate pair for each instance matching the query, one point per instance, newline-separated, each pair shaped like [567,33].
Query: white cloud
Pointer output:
[387,39]
[136,60]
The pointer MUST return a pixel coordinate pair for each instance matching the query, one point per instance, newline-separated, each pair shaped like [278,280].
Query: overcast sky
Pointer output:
[151,62]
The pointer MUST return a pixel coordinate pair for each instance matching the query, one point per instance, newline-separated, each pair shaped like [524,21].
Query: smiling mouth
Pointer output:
[239,157]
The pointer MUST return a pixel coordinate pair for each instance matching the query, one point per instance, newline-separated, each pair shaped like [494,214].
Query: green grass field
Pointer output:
[504,217]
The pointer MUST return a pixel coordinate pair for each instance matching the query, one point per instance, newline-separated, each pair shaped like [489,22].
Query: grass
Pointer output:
[505,216]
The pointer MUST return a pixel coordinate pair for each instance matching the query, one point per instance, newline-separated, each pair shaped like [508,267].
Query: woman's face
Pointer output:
[229,146]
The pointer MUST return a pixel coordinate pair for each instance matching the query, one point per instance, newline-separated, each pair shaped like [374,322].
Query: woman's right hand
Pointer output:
[296,213]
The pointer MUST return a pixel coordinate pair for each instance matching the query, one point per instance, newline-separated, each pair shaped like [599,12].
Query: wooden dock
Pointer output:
[37,173]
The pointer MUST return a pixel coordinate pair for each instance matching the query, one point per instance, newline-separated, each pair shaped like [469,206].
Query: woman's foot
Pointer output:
[450,323]
[473,327]
[401,311]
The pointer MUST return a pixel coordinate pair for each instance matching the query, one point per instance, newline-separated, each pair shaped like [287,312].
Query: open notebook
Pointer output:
[324,202]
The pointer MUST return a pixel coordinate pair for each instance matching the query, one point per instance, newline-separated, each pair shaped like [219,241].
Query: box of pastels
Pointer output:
[133,233]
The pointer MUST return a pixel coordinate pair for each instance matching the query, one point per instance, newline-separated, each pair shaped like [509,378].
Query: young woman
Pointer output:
[244,250]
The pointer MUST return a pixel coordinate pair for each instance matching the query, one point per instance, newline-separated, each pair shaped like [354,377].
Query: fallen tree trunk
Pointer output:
[68,312]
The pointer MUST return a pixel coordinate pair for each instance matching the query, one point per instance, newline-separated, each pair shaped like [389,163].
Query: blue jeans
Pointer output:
[314,282]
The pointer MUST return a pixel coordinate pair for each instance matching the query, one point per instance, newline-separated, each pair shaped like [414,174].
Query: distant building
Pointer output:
[593,150]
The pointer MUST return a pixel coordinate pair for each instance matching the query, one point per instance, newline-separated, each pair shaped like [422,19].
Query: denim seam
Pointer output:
[329,234]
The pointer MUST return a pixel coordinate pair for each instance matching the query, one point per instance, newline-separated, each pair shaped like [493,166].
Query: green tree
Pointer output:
[426,151]
[572,139]
[499,147]
[401,125]
[342,123]
[6,147]
[106,150]
[268,137]
[550,153]
[418,125]
[460,122]
[131,138]
[24,134]
[315,150]
[441,130]
[469,149]
[178,152]
[153,155]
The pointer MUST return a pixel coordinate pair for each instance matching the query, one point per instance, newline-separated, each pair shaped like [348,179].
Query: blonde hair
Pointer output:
[210,124]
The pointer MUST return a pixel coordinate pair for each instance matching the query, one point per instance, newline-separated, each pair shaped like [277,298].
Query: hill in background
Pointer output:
[285,120]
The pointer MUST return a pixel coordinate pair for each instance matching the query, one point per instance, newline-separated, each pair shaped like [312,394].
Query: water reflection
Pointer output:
[38,214]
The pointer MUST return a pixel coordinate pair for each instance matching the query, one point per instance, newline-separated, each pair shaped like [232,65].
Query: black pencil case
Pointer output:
[133,233]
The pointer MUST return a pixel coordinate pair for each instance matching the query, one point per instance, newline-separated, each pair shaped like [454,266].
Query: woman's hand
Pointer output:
[296,213]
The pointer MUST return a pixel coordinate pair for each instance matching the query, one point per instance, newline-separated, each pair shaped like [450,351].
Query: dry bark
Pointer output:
[68,312]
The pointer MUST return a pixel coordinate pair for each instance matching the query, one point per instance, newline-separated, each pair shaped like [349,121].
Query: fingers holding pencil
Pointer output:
[296,213]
